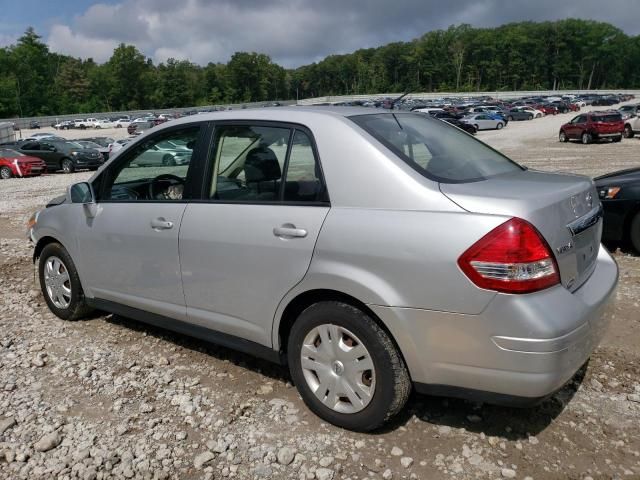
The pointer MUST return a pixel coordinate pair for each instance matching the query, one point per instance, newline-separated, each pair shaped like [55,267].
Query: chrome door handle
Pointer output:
[289,231]
[161,224]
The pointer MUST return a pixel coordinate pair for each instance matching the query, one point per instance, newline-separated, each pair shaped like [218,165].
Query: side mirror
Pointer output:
[82,193]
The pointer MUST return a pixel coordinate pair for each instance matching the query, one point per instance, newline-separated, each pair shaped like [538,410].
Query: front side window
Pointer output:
[257,164]
[154,170]
[434,149]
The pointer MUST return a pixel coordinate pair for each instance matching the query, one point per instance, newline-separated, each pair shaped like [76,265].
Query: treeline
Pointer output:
[565,54]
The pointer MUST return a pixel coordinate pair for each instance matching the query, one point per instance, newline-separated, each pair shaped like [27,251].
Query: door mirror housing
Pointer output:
[83,194]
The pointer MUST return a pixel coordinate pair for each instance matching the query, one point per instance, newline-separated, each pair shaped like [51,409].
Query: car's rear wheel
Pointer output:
[168,160]
[617,139]
[67,165]
[563,137]
[346,367]
[628,131]
[634,232]
[586,138]
[510,118]
[5,173]
[499,125]
[60,283]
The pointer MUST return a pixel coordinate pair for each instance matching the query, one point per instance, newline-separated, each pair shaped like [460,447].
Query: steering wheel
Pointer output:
[163,178]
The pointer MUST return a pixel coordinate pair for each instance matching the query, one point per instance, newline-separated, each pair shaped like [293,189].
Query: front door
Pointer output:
[129,250]
[252,237]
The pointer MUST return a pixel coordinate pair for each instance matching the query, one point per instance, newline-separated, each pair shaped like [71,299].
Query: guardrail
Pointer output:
[6,132]
[48,120]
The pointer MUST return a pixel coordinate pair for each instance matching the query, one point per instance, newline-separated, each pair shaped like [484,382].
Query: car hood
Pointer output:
[621,176]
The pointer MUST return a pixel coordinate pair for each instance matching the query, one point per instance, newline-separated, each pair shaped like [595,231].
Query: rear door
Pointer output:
[251,237]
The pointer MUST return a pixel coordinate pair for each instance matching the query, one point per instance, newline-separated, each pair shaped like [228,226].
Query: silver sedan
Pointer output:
[373,252]
[483,121]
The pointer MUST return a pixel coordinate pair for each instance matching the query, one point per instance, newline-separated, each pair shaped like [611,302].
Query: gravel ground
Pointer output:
[110,398]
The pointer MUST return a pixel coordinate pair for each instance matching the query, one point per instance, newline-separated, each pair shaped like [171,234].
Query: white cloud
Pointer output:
[63,40]
[292,32]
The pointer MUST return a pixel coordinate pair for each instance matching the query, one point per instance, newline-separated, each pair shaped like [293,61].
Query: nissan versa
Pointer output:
[370,251]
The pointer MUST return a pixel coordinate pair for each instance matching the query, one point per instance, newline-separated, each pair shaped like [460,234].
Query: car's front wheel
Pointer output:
[60,283]
[563,137]
[499,125]
[346,367]
[67,165]
[617,139]
[628,131]
[5,173]
[586,138]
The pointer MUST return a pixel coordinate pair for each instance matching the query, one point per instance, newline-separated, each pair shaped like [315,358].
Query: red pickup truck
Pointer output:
[593,126]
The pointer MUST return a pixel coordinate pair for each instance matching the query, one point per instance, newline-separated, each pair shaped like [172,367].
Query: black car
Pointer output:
[62,155]
[34,125]
[457,123]
[619,193]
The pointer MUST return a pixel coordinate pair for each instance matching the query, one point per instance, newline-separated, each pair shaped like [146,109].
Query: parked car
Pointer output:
[117,146]
[122,123]
[102,141]
[457,123]
[593,126]
[629,111]
[548,109]
[519,114]
[483,121]
[605,101]
[619,193]
[42,136]
[104,123]
[64,125]
[16,164]
[86,123]
[104,151]
[470,272]
[34,125]
[632,124]
[137,128]
[63,155]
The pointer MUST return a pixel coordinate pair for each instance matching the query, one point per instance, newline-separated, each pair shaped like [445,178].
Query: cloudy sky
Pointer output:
[292,32]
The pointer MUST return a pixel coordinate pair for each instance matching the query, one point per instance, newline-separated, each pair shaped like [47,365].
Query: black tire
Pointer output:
[5,173]
[510,118]
[67,165]
[499,126]
[168,160]
[78,307]
[634,233]
[628,131]
[586,138]
[563,137]
[82,127]
[530,117]
[476,127]
[617,139]
[392,382]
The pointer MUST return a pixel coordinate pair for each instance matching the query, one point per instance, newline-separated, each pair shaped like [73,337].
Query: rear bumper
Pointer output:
[524,346]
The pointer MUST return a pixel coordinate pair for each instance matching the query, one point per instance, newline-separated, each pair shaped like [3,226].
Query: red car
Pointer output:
[547,109]
[15,164]
[593,126]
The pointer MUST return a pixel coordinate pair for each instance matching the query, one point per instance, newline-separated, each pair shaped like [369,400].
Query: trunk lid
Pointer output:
[564,208]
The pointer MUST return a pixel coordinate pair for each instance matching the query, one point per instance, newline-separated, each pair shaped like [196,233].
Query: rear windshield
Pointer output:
[436,149]
[607,118]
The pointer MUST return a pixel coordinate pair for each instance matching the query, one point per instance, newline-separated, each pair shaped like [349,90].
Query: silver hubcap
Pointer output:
[5,173]
[57,282]
[338,368]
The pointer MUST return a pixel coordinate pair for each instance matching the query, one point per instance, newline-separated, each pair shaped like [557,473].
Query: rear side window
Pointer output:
[435,149]
[610,118]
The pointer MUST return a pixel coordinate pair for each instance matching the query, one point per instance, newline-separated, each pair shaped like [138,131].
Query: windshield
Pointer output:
[606,118]
[74,145]
[87,144]
[435,149]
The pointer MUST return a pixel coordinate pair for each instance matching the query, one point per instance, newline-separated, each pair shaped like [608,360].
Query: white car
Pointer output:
[86,123]
[536,113]
[122,123]
[117,146]
[483,121]
[104,123]
[429,110]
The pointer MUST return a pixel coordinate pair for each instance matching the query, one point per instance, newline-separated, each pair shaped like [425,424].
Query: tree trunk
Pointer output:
[593,69]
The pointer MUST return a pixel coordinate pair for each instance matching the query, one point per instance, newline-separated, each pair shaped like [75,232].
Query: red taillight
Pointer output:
[512,258]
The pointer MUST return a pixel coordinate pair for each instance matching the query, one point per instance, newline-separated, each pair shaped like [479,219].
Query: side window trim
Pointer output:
[209,166]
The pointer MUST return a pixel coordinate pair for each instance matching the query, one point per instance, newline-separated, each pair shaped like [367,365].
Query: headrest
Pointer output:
[261,165]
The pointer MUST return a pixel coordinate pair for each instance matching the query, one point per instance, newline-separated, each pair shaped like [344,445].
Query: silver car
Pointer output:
[483,121]
[371,251]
